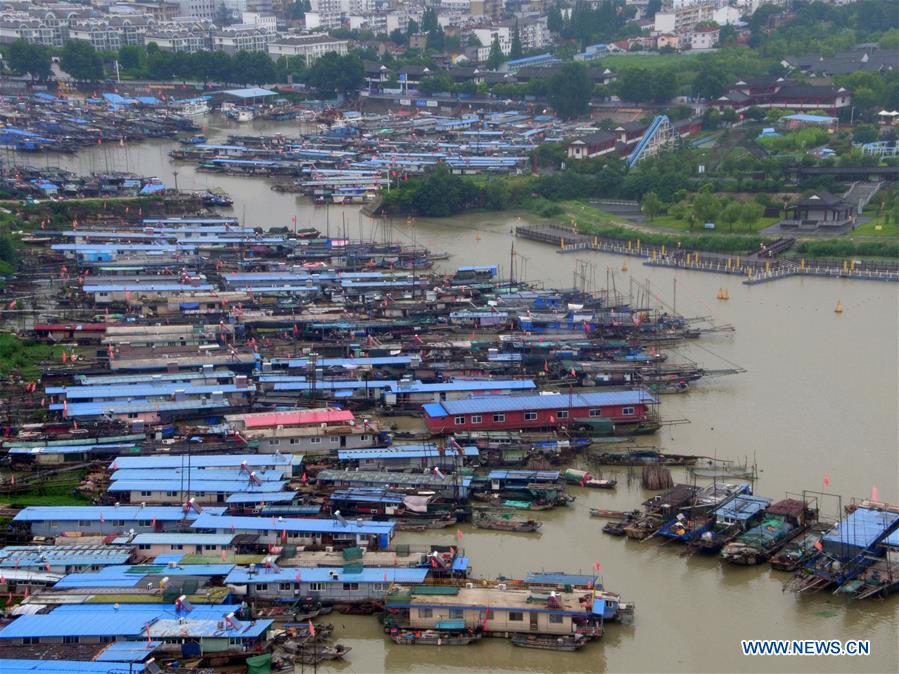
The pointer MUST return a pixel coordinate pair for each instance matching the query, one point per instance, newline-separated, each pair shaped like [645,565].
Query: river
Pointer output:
[819,397]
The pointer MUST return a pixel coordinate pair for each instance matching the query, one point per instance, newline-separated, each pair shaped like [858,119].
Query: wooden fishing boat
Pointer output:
[782,522]
[617,527]
[313,655]
[548,642]
[798,551]
[504,522]
[643,457]
[610,514]
[409,637]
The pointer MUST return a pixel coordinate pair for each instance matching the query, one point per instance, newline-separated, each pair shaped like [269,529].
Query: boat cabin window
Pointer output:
[516,616]
[627,410]
[499,417]
[459,421]
[530,416]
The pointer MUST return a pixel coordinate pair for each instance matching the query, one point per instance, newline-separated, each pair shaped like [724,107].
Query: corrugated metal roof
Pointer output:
[69,555]
[63,624]
[861,528]
[197,476]
[383,477]
[242,575]
[742,507]
[207,486]
[153,378]
[536,475]
[128,513]
[176,538]
[69,667]
[293,417]
[401,452]
[69,449]
[127,651]
[463,385]
[343,362]
[253,461]
[511,403]
[114,407]
[278,497]
[192,628]
[306,525]
[558,578]
[144,390]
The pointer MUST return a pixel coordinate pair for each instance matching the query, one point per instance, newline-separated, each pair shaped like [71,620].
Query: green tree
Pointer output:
[730,214]
[495,59]
[31,59]
[865,133]
[569,90]
[80,60]
[710,81]
[554,20]
[651,205]
[706,206]
[750,213]
[333,74]
[515,51]
[131,58]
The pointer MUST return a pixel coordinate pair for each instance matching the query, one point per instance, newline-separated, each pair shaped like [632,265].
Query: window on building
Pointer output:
[459,421]
[349,587]
[476,419]
[171,493]
[516,616]
[146,493]
[316,587]
[530,416]
[499,418]
[627,411]
[456,613]
[31,640]
[333,439]
[425,613]
[315,441]
[294,441]
[145,523]
[179,546]
[235,641]
[595,413]
[143,546]
[284,586]
[83,523]
[261,587]
[555,618]
[561,414]
[70,639]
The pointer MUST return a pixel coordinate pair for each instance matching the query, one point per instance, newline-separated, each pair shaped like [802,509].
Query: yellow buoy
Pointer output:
[723,294]
[839,308]
[624,267]
[477,236]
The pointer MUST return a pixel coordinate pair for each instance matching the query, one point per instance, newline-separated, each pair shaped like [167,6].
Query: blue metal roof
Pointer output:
[137,406]
[187,376]
[742,507]
[144,390]
[127,513]
[15,556]
[861,528]
[207,486]
[557,578]
[163,611]
[70,449]
[538,475]
[367,495]
[206,461]
[126,651]
[63,624]
[401,452]
[196,476]
[250,92]
[463,385]
[70,666]
[242,575]
[344,362]
[324,526]
[277,497]
[512,403]
[189,538]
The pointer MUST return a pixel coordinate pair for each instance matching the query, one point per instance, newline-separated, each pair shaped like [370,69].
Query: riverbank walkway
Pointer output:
[755,269]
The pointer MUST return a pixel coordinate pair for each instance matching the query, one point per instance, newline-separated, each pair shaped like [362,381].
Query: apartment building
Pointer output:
[309,47]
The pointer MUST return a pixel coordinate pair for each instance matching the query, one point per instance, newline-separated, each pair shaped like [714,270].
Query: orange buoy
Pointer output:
[624,267]
[477,236]
[839,308]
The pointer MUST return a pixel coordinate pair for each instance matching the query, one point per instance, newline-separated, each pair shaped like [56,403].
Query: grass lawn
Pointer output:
[870,229]
[648,61]
[59,494]
[670,222]
[581,212]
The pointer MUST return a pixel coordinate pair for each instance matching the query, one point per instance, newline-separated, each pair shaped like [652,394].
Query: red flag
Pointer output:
[486,617]
[826,480]
[458,534]
[819,546]
[311,629]
[102,519]
[597,566]
[224,555]
[303,478]
[12,305]
[297,577]
[9,599]
[284,535]
[153,522]
[874,493]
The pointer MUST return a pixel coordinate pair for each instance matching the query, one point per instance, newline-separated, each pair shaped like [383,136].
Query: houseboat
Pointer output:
[782,522]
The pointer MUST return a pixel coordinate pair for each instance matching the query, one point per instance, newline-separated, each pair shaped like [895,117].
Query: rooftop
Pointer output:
[305,525]
[241,575]
[512,403]
[128,513]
